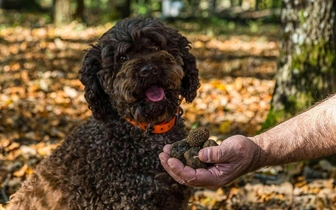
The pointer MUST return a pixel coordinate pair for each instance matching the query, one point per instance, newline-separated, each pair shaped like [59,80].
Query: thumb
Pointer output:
[212,154]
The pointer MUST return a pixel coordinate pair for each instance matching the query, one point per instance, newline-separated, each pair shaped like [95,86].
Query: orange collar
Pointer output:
[158,128]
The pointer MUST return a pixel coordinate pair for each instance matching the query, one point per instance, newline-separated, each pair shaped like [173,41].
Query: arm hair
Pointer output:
[309,135]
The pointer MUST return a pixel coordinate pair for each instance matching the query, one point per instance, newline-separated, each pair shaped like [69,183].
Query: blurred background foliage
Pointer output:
[101,11]
[230,38]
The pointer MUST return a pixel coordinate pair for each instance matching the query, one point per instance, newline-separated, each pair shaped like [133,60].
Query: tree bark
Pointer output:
[213,6]
[240,3]
[307,67]
[232,3]
[79,14]
[126,11]
[257,2]
[62,12]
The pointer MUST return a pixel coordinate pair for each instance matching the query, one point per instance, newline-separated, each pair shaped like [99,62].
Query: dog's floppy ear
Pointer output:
[190,81]
[94,94]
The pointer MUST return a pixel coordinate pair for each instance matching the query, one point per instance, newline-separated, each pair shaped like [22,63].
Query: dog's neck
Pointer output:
[158,128]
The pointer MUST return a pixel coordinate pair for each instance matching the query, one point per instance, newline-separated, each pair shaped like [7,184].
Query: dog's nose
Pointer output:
[148,70]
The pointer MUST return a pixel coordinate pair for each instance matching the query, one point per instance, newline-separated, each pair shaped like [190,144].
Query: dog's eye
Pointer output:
[123,58]
[157,48]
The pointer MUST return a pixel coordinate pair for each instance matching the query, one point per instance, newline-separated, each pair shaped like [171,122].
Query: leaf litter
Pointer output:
[41,102]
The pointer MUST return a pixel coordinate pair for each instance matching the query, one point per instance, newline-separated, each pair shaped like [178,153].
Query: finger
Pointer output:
[205,177]
[176,166]
[188,176]
[164,158]
[166,148]
[199,177]
[214,154]
[222,153]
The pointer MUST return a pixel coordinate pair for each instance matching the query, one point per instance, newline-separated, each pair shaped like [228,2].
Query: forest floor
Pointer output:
[41,102]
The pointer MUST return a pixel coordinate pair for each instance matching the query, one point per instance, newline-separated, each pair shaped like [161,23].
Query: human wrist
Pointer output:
[260,159]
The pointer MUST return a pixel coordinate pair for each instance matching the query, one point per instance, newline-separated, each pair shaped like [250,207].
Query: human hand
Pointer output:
[237,155]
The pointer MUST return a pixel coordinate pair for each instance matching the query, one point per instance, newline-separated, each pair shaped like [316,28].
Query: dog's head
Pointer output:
[140,69]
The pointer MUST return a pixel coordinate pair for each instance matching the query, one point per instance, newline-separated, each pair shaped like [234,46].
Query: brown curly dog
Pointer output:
[135,78]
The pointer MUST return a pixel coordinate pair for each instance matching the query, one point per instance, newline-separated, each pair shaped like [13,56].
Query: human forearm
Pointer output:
[309,135]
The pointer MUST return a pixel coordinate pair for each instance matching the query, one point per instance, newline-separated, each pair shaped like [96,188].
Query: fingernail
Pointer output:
[204,154]
[171,164]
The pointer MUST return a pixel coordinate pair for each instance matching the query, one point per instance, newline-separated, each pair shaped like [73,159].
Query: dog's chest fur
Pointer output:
[119,168]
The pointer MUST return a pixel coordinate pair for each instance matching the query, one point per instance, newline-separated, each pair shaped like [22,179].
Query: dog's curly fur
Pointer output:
[108,163]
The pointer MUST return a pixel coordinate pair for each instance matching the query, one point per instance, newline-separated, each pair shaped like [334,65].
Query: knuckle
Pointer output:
[181,181]
[192,181]
[218,154]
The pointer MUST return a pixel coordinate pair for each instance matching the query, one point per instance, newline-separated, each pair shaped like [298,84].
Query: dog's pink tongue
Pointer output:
[155,93]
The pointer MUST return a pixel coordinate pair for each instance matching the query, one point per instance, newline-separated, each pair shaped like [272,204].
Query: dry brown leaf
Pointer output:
[21,172]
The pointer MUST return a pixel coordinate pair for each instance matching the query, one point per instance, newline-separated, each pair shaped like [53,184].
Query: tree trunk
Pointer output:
[232,4]
[62,12]
[307,67]
[79,14]
[256,7]
[240,3]
[213,7]
[126,11]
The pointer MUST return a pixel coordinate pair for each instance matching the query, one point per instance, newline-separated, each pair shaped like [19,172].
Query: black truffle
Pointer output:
[197,137]
[187,149]
[210,143]
[178,149]
[192,160]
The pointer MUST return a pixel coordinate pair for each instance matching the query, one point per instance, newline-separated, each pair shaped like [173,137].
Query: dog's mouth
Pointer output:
[155,93]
